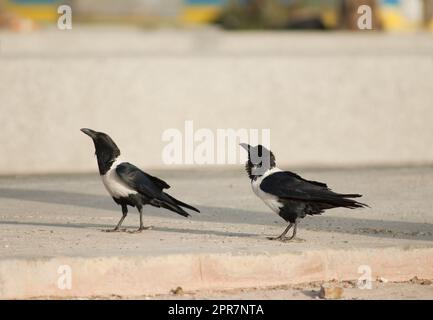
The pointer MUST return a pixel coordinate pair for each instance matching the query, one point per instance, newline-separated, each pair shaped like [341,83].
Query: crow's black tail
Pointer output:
[343,201]
[182,204]
[174,208]
[168,202]
[169,205]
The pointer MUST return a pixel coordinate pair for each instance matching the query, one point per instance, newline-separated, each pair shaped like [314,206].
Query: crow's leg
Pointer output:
[142,227]
[282,236]
[124,213]
[294,231]
[293,237]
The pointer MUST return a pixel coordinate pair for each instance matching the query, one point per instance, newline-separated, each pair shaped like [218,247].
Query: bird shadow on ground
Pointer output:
[130,230]
[350,225]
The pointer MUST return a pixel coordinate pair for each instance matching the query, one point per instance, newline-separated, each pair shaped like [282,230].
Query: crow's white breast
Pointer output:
[114,185]
[269,199]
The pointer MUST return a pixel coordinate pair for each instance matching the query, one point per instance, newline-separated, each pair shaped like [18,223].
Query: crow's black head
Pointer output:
[105,149]
[259,161]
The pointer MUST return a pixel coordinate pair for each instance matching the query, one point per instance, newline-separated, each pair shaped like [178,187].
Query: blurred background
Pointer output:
[229,14]
[332,95]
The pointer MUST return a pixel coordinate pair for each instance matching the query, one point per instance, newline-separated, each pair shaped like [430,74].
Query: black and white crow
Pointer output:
[288,194]
[127,184]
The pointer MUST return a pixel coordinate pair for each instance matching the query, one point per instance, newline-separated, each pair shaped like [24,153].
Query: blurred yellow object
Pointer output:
[200,14]
[430,25]
[330,18]
[37,12]
[393,20]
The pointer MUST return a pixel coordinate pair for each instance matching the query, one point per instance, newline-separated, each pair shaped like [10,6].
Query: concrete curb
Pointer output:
[152,275]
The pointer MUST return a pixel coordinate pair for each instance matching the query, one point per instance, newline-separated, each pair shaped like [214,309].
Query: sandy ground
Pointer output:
[418,290]
[48,216]
[415,289]
[52,216]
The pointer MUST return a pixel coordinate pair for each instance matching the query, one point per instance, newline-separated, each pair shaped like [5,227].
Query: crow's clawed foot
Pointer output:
[113,230]
[274,238]
[141,229]
[287,239]
[291,239]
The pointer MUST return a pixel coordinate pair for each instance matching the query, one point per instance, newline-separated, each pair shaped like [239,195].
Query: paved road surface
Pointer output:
[63,216]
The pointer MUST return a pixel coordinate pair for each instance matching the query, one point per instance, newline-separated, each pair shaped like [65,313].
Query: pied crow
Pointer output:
[127,184]
[288,194]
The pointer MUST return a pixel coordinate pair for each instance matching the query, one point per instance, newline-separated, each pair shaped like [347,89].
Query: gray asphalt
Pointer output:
[47,216]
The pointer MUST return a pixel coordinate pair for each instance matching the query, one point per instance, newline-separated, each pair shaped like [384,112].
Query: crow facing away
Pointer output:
[127,184]
[288,194]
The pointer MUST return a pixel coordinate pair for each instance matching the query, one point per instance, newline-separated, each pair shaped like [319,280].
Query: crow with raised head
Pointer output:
[289,195]
[127,184]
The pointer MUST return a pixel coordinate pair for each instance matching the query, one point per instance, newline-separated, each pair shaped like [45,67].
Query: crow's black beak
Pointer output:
[89,132]
[246,146]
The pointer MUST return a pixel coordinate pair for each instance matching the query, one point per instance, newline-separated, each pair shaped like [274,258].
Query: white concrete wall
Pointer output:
[329,99]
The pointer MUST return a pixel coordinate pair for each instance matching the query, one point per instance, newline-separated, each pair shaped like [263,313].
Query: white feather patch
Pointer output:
[114,185]
[269,199]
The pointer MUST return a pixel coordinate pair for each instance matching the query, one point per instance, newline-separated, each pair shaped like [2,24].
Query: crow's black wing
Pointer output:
[316,183]
[161,184]
[140,181]
[151,188]
[290,186]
